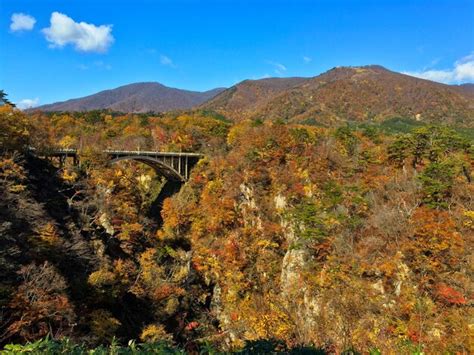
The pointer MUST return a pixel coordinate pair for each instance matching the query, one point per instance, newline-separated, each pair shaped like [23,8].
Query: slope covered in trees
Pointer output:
[369,93]
[357,237]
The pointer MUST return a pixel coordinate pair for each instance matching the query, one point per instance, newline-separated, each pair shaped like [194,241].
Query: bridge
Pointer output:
[175,166]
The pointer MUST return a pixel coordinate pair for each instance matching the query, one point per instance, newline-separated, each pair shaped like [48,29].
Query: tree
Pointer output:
[40,305]
[4,100]
[14,129]
[437,182]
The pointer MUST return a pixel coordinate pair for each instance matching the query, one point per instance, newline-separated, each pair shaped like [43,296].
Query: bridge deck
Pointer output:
[70,152]
[152,153]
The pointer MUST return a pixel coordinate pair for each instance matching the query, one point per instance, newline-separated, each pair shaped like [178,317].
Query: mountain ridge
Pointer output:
[135,98]
[341,94]
[355,93]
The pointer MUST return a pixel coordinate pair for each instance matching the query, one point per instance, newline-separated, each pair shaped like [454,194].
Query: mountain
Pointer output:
[367,93]
[465,89]
[138,97]
[251,95]
[347,93]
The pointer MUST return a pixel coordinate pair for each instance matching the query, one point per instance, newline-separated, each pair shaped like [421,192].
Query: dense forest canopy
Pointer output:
[351,237]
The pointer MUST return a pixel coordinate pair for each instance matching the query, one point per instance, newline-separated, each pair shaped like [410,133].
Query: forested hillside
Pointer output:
[357,237]
[368,93]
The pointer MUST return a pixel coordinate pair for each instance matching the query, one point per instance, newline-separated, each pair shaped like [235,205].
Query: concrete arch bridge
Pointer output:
[174,166]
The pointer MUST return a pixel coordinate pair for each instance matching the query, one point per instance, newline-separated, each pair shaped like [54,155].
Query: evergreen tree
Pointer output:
[4,100]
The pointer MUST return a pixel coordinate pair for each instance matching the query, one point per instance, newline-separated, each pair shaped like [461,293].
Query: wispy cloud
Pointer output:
[461,72]
[433,63]
[279,68]
[165,60]
[85,37]
[28,103]
[22,22]
[307,59]
[264,76]
[99,64]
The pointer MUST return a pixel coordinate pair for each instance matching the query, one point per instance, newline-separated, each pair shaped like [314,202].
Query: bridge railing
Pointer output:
[152,153]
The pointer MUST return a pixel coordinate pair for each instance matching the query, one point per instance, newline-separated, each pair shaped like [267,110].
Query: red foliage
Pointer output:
[165,291]
[414,336]
[192,325]
[449,295]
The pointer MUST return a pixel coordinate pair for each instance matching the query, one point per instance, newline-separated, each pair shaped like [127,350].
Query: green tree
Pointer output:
[437,182]
[4,100]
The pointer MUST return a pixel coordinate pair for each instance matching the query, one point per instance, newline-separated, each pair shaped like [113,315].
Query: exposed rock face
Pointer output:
[224,319]
[249,208]
[294,262]
[402,275]
[105,223]
[280,202]
[296,296]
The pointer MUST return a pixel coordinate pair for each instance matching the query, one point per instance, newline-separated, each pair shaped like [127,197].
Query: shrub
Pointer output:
[346,136]
[154,333]
[103,324]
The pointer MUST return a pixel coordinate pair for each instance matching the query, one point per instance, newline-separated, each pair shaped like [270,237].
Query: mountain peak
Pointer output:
[136,97]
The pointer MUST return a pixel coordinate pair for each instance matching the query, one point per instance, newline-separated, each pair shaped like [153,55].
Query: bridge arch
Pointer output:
[161,167]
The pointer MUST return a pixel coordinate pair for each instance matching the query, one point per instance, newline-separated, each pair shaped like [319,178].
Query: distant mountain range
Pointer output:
[138,97]
[368,93]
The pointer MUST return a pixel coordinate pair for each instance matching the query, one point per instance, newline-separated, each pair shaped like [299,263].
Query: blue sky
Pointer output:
[60,49]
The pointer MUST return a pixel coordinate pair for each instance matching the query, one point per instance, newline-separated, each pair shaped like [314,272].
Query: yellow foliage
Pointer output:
[129,231]
[103,325]
[266,244]
[68,175]
[469,219]
[14,128]
[154,333]
[102,277]
[67,141]
[13,174]
[237,131]
[271,322]
[151,272]
[48,235]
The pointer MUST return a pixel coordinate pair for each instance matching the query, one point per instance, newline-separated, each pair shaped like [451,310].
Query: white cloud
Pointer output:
[307,59]
[28,103]
[279,68]
[461,72]
[22,22]
[85,37]
[164,60]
